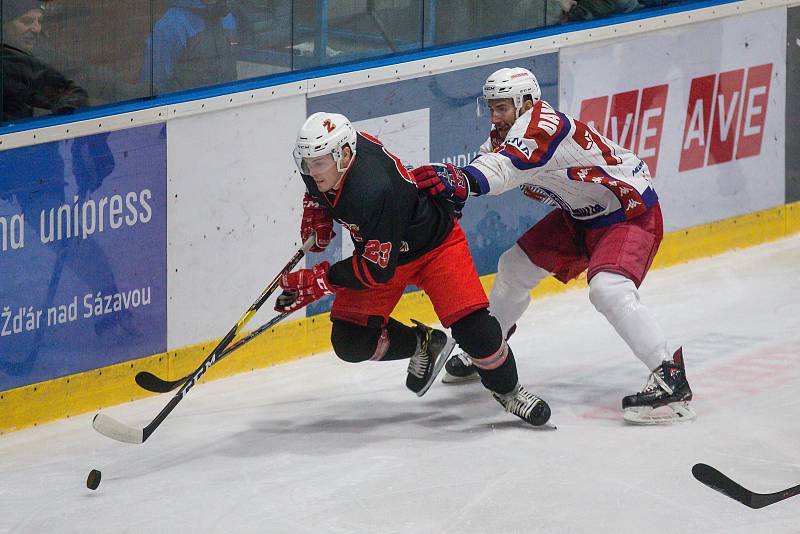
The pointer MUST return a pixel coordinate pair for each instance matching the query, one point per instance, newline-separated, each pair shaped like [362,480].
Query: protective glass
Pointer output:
[482,107]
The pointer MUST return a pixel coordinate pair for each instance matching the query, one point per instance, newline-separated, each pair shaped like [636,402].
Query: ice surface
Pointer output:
[321,446]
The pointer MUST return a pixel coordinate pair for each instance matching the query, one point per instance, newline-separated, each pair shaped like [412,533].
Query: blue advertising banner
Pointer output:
[434,118]
[82,254]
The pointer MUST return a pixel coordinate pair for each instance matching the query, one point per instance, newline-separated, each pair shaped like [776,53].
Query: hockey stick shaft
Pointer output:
[112,428]
[163,386]
[150,382]
[714,479]
[123,433]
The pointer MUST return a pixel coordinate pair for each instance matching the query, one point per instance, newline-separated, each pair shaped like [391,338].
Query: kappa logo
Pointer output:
[632,119]
[725,116]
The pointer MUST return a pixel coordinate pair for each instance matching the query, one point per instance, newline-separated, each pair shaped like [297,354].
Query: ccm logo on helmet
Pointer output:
[329,126]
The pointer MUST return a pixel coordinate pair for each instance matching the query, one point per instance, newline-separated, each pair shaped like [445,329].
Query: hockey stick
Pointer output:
[113,429]
[157,385]
[717,481]
[151,382]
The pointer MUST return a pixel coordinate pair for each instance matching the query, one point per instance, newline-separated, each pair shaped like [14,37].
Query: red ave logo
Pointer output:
[633,119]
[725,116]
[725,112]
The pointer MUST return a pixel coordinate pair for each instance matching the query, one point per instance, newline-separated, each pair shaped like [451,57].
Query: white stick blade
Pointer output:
[111,428]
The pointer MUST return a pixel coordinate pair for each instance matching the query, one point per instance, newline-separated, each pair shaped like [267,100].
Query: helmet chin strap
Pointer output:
[338,155]
[342,172]
[521,109]
[519,105]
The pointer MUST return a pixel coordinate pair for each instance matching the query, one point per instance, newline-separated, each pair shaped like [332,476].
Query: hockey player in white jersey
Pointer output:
[608,221]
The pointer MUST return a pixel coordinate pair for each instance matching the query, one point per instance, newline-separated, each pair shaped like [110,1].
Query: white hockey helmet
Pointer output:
[324,133]
[514,83]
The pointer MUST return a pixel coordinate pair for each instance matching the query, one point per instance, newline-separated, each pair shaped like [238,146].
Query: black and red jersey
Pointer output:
[391,222]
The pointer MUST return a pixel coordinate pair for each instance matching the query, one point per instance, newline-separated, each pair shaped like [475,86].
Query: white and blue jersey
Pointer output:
[560,161]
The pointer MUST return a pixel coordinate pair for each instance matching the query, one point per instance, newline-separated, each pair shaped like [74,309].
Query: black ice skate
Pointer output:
[459,368]
[666,387]
[434,348]
[524,405]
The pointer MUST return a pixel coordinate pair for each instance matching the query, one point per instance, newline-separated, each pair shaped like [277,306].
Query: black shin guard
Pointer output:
[355,343]
[502,379]
[479,335]
[403,340]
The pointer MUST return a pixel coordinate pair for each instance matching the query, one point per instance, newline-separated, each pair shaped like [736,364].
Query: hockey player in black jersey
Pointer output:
[401,237]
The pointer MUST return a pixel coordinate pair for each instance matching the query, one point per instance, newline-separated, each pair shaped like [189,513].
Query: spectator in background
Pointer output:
[191,46]
[30,86]
[22,23]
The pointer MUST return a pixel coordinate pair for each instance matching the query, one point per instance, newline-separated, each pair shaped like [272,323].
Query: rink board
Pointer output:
[97,389]
[91,254]
[702,105]
[232,189]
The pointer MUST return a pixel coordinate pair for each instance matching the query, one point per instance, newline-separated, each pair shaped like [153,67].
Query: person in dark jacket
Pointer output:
[191,46]
[30,86]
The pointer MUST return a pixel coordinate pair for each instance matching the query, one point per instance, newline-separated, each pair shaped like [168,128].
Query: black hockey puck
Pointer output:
[93,480]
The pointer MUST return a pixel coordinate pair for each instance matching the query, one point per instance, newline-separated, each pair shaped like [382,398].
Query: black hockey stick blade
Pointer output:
[712,478]
[151,382]
[717,481]
[113,429]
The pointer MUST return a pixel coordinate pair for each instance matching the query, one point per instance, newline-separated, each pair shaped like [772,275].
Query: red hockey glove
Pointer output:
[303,287]
[443,180]
[318,220]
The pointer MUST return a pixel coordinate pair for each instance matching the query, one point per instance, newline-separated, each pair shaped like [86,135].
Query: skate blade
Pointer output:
[643,415]
[451,379]
[519,423]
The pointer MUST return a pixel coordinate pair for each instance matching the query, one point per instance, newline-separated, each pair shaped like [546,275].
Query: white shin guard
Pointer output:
[617,298]
[510,295]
